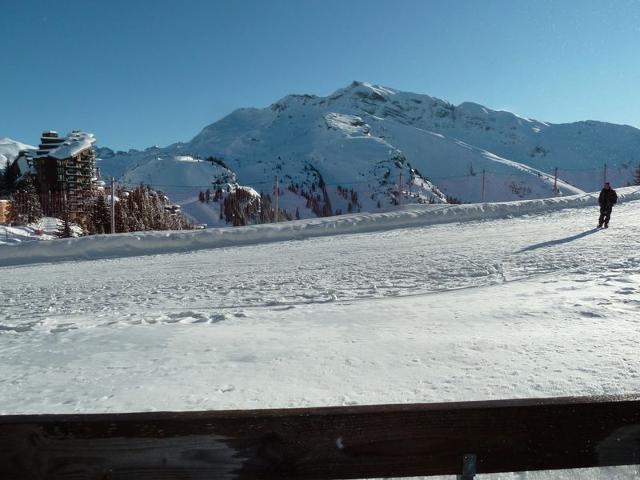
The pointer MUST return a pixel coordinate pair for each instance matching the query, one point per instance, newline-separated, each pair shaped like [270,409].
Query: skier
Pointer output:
[607,199]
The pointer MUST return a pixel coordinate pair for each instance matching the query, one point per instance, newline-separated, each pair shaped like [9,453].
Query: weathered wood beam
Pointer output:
[325,443]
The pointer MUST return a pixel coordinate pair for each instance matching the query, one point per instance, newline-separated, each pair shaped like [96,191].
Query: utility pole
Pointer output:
[113,205]
[400,190]
[605,172]
[277,197]
[555,181]
[483,185]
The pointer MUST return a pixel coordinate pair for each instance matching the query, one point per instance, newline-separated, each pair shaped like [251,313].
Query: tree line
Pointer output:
[138,209]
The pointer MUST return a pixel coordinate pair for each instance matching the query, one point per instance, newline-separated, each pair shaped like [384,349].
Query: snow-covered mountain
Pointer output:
[9,150]
[351,150]
[363,137]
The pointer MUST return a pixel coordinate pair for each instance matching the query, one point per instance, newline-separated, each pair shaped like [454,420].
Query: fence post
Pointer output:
[113,206]
[277,198]
[468,467]
[483,185]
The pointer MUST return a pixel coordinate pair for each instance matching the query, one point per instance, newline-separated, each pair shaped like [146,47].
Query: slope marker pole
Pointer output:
[113,206]
[277,197]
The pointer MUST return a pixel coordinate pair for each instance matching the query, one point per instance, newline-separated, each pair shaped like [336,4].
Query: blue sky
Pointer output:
[145,72]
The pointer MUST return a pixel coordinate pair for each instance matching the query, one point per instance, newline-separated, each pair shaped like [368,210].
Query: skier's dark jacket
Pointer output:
[608,197]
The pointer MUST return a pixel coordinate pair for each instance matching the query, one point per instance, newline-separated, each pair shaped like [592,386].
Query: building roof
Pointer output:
[72,145]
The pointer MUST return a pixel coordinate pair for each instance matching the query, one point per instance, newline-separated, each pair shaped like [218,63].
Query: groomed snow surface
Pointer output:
[403,310]
[145,243]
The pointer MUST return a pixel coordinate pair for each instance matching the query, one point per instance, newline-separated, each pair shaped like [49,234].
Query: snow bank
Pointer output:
[44,229]
[148,243]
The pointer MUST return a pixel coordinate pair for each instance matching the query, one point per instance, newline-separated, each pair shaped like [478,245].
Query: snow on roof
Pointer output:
[75,143]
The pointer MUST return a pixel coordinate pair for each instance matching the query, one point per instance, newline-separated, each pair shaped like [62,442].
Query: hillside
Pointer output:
[364,137]
[9,150]
[369,148]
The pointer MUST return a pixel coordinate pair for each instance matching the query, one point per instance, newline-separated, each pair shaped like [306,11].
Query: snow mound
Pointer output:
[147,243]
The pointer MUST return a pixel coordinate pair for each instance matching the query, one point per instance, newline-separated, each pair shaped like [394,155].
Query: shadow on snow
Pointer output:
[560,241]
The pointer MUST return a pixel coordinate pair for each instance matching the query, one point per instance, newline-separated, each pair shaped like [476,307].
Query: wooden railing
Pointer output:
[326,443]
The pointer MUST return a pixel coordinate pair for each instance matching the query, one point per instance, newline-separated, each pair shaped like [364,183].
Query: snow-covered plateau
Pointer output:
[528,303]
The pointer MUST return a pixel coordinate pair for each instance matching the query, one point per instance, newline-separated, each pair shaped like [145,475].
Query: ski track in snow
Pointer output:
[207,285]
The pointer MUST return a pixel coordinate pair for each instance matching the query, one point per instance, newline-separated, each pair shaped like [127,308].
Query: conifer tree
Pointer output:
[3,189]
[27,208]
[99,216]
[64,229]
[122,220]
[8,181]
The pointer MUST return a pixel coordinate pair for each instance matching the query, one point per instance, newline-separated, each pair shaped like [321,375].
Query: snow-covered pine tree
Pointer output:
[121,213]
[64,228]
[3,188]
[99,216]
[27,208]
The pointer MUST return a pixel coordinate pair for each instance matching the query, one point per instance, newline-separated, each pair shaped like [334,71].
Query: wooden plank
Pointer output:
[324,443]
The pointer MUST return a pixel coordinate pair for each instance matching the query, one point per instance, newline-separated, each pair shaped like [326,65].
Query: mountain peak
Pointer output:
[364,90]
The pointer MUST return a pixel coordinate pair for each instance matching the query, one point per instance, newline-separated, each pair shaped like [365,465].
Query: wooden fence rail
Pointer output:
[325,443]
